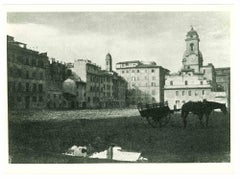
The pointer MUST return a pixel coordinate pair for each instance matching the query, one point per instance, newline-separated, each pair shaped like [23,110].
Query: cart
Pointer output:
[156,114]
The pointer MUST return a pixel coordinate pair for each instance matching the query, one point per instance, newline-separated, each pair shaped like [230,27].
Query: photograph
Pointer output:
[119,86]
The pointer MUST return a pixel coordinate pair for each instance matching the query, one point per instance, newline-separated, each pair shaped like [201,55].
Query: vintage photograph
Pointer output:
[118,87]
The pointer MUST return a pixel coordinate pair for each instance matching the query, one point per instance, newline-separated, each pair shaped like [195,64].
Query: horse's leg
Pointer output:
[200,118]
[207,117]
[184,116]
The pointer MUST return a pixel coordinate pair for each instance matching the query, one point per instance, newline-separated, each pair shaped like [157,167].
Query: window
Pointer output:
[189,93]
[177,93]
[40,87]
[152,70]
[40,98]
[196,93]
[186,82]
[137,71]
[27,87]
[34,87]
[171,83]
[153,84]
[203,92]
[27,74]
[34,75]
[123,71]
[201,82]
[133,71]
[191,46]
[183,93]
[19,72]
[153,78]
[19,98]
[34,99]
[41,76]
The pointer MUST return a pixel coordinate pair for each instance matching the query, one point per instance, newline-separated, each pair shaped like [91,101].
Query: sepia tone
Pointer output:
[125,111]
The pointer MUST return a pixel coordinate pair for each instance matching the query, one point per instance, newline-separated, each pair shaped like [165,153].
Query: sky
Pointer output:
[144,36]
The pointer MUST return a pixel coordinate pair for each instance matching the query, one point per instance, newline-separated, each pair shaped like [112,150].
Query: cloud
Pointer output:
[127,36]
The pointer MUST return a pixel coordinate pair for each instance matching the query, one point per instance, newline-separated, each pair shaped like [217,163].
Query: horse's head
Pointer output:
[224,109]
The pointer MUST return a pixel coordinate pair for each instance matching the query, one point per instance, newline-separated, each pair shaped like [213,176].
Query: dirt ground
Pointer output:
[42,136]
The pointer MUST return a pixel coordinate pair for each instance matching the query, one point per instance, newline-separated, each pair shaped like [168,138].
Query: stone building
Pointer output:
[74,92]
[223,81]
[26,76]
[145,81]
[195,81]
[56,74]
[104,88]
[223,78]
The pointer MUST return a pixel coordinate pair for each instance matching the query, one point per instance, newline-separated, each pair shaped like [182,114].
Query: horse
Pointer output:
[201,108]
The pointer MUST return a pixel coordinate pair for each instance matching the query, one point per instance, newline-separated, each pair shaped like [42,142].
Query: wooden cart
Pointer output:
[157,114]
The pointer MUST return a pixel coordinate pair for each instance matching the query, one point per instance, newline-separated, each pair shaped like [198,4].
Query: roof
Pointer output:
[223,68]
[192,32]
[132,61]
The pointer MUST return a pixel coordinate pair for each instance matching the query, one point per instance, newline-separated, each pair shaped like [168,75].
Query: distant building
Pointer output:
[74,93]
[223,78]
[26,76]
[145,81]
[223,81]
[56,74]
[104,88]
[195,81]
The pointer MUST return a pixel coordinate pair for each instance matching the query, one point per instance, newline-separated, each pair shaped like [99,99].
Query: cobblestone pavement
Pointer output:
[72,114]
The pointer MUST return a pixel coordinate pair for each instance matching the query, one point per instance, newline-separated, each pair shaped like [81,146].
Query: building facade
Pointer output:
[26,76]
[56,74]
[104,88]
[195,81]
[223,81]
[145,81]
[74,93]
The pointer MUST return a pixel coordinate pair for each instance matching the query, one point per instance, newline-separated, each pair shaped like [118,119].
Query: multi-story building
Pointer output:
[223,78]
[26,76]
[194,82]
[145,81]
[104,88]
[56,74]
[74,92]
[223,81]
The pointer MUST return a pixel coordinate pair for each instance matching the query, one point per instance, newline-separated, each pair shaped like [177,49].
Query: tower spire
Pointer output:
[191,27]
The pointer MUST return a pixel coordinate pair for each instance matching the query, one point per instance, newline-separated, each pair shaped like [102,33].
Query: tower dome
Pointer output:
[70,87]
[192,33]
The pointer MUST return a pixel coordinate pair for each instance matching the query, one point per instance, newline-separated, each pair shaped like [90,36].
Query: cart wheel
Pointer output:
[164,120]
[158,121]
[153,121]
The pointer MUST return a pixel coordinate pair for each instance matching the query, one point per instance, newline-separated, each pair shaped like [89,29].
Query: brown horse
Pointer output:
[201,108]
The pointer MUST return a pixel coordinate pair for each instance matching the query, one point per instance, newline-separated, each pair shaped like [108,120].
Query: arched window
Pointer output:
[191,46]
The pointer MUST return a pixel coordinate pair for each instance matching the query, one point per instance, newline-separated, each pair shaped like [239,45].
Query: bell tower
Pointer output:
[192,58]
[108,61]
